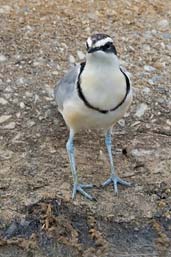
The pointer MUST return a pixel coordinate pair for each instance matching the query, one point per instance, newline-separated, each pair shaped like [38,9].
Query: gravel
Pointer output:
[40,40]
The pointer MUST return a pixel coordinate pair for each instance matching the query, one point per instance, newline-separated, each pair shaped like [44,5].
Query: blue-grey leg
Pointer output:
[113,177]
[77,187]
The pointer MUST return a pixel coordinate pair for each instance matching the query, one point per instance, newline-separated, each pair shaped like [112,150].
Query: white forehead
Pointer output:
[99,43]
[89,42]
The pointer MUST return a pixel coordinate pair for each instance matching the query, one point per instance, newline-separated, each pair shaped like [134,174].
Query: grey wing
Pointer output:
[65,87]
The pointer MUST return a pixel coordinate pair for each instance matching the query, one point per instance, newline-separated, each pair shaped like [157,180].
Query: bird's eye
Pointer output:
[108,45]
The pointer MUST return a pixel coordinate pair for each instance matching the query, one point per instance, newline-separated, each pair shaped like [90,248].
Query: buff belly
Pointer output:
[78,116]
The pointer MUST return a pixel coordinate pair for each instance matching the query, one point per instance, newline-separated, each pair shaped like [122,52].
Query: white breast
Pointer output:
[103,86]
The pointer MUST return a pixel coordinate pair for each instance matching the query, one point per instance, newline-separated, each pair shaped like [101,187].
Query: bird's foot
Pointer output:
[80,188]
[116,180]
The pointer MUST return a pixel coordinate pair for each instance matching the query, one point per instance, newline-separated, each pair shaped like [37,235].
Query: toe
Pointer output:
[115,180]
[107,182]
[79,188]
[86,185]
[85,193]
[115,184]
[123,182]
[74,191]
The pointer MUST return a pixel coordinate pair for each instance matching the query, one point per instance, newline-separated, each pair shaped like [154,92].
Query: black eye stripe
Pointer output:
[107,46]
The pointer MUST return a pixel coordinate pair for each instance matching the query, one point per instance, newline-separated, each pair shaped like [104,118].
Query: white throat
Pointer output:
[100,58]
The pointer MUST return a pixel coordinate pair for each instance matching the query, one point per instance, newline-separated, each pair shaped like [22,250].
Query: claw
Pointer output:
[80,188]
[116,180]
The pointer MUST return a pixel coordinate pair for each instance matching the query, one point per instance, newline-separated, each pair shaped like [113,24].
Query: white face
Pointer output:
[101,46]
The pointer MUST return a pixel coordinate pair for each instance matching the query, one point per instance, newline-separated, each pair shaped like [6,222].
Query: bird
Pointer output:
[94,94]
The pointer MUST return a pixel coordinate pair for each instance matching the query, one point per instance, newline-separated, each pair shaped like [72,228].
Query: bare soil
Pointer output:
[39,40]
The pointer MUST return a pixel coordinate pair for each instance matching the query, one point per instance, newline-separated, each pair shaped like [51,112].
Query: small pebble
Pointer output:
[163,24]
[149,68]
[159,65]
[3,101]
[15,101]
[169,47]
[8,89]
[121,122]
[147,48]
[4,118]
[5,154]
[16,138]
[166,35]
[150,81]
[80,54]
[29,94]
[4,9]
[141,110]
[7,96]
[55,72]
[168,122]
[28,28]
[18,115]
[22,105]
[72,59]
[163,45]
[64,45]
[30,123]
[36,98]
[36,63]
[11,230]
[169,104]
[146,90]
[3,58]
[11,125]
[155,79]
[41,118]
[49,90]
[135,123]
[148,34]
[141,152]
[20,81]
[153,31]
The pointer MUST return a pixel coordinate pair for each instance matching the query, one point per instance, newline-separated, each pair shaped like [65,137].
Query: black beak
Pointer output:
[93,49]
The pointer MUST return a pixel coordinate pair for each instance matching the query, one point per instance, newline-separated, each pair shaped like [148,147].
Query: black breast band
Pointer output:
[89,105]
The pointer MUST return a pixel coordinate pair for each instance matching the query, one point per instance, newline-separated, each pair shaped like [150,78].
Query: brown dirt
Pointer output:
[38,40]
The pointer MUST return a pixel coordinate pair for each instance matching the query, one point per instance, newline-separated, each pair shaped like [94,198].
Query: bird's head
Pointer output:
[100,45]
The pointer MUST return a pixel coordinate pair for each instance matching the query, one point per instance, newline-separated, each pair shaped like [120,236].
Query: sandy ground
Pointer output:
[39,40]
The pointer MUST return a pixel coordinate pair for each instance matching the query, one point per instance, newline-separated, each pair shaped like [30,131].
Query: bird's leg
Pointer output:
[77,187]
[113,178]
